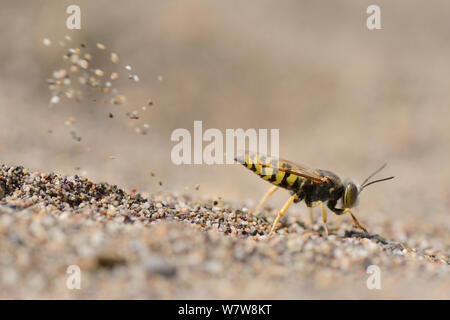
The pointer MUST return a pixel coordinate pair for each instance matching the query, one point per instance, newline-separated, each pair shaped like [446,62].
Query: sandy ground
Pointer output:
[344,98]
[166,246]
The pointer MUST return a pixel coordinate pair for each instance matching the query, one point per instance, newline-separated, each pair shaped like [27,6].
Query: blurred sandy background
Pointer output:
[344,98]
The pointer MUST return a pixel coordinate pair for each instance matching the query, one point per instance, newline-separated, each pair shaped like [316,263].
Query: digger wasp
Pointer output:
[314,186]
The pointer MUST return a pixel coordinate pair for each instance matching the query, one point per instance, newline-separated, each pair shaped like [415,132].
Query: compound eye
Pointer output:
[350,195]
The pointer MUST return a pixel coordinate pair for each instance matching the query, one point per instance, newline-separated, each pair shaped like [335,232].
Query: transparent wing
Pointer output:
[282,165]
[300,170]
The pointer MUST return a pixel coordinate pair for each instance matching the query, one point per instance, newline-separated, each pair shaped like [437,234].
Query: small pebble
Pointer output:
[54,100]
[114,57]
[47,42]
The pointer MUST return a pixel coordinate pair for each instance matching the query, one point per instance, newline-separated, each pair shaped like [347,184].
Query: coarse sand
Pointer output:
[166,246]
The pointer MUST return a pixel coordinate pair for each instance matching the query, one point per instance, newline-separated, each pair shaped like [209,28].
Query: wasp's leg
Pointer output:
[282,212]
[264,199]
[324,218]
[311,205]
[324,214]
[340,211]
[357,224]
[311,216]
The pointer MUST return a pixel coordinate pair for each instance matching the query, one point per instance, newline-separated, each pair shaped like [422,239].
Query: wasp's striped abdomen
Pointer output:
[267,168]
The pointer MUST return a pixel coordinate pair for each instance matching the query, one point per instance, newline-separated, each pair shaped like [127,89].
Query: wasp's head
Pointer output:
[350,198]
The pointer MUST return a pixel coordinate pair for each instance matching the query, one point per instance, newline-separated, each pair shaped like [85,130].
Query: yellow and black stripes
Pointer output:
[267,168]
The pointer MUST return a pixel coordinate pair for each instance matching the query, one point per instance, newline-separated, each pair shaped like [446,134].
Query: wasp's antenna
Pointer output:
[372,182]
[374,173]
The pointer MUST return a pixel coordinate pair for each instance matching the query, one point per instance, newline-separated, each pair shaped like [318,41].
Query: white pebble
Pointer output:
[47,42]
[54,100]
